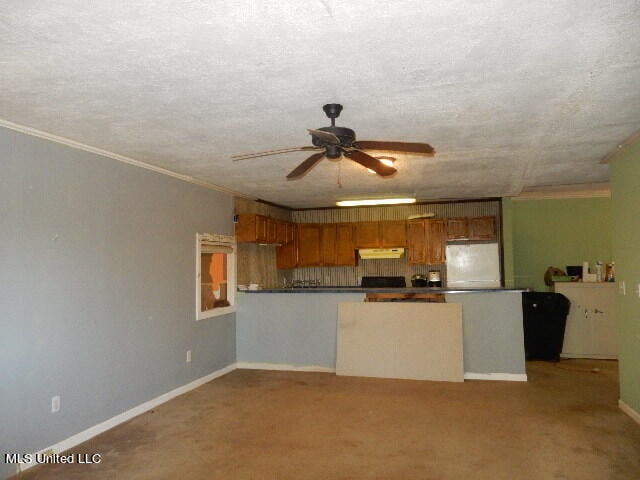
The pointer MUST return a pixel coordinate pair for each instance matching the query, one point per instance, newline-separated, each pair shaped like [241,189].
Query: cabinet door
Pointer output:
[245,227]
[287,253]
[393,233]
[457,228]
[602,311]
[591,330]
[291,232]
[345,250]
[261,229]
[272,230]
[367,235]
[416,241]
[281,232]
[482,228]
[436,238]
[309,235]
[577,332]
[328,244]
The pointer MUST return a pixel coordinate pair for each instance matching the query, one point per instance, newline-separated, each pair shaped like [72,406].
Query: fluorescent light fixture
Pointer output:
[374,201]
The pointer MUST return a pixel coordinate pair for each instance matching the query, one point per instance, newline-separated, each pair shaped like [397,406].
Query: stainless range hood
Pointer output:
[379,253]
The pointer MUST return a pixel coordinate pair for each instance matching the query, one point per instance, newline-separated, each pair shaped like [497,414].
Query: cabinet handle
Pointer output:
[597,311]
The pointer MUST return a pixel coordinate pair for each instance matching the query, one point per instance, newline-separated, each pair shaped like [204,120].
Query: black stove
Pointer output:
[383,282]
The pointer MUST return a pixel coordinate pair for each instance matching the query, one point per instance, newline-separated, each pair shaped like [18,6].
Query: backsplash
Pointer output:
[350,276]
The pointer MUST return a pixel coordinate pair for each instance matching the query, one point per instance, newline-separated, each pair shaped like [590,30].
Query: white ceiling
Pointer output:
[512,94]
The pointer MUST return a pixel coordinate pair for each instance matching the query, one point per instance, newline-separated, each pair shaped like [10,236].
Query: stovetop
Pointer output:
[383,282]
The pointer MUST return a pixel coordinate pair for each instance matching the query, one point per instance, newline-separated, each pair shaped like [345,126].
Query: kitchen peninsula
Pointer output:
[297,328]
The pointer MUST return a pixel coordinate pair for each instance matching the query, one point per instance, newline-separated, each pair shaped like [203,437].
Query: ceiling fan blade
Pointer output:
[370,162]
[305,166]
[246,156]
[398,147]
[326,136]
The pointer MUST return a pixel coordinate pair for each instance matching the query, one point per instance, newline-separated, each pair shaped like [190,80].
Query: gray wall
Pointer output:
[289,328]
[97,289]
[493,333]
[300,329]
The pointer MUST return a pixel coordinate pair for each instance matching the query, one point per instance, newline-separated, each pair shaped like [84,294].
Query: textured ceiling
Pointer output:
[512,94]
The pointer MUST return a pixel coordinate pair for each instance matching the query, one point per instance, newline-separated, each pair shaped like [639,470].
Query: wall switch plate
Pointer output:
[188,356]
[623,288]
[638,290]
[55,404]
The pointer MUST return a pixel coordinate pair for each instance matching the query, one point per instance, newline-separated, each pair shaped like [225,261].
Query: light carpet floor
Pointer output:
[250,424]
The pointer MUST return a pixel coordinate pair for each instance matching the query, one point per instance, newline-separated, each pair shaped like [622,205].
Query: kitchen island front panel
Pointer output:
[298,330]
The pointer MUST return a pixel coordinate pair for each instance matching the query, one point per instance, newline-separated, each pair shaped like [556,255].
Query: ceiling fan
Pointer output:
[334,142]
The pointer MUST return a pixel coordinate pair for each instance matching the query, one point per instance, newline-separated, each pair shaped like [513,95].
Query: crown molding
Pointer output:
[547,192]
[116,156]
[628,142]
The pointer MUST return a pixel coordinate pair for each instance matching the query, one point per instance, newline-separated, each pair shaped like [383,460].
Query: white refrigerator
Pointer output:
[475,265]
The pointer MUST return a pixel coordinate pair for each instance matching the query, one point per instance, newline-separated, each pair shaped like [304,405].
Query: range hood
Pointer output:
[376,253]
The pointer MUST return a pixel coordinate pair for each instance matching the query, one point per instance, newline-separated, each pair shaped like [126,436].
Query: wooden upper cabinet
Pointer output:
[272,230]
[345,249]
[309,237]
[393,234]
[328,244]
[245,227]
[457,228]
[436,241]
[416,241]
[251,228]
[261,229]
[366,235]
[482,228]
[287,253]
[472,228]
[292,232]
[281,232]
[426,241]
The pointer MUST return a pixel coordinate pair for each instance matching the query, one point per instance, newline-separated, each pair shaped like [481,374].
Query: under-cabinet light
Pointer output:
[374,201]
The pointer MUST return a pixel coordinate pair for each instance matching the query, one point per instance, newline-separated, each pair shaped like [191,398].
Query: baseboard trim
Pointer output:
[629,411]
[284,367]
[91,432]
[506,377]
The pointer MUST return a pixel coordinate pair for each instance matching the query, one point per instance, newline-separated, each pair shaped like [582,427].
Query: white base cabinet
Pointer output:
[591,330]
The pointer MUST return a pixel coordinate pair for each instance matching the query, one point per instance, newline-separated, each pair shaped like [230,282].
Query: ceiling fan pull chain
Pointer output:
[338,181]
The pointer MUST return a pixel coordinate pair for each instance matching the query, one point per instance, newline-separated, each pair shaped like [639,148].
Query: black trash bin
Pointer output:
[545,317]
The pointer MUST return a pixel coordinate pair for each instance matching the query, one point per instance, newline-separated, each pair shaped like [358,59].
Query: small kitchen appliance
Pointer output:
[434,279]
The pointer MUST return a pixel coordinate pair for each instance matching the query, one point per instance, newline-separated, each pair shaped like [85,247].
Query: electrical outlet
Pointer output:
[623,288]
[638,290]
[55,404]
[188,356]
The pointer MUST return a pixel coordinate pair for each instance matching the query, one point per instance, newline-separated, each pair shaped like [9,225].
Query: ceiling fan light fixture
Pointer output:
[374,201]
[388,161]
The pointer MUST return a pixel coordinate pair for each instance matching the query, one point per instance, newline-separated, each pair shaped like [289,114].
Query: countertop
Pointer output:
[383,290]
